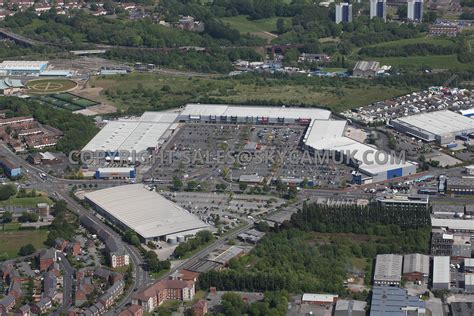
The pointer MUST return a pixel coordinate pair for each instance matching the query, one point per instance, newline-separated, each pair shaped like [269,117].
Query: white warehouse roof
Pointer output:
[136,134]
[441,271]
[255,111]
[328,135]
[439,122]
[146,212]
[23,65]
[453,224]
[310,297]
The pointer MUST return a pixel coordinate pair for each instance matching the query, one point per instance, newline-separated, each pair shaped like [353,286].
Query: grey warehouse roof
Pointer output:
[148,213]
[367,65]
[388,268]
[439,122]
[255,111]
[441,272]
[416,263]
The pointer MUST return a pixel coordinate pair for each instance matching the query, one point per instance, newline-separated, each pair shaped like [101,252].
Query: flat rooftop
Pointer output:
[441,272]
[439,122]
[453,224]
[135,134]
[146,212]
[255,111]
[388,268]
[22,65]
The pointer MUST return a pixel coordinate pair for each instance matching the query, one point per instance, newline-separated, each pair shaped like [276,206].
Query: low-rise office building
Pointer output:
[404,201]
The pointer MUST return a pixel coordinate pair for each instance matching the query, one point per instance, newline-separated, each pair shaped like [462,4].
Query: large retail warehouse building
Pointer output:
[440,126]
[149,214]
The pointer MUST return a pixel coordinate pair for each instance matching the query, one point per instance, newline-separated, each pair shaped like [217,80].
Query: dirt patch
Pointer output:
[95,93]
[98,109]
[267,36]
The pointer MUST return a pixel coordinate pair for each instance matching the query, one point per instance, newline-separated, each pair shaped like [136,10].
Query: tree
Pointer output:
[28,217]
[263,226]
[26,250]
[280,26]
[192,185]
[7,217]
[232,304]
[242,186]
[6,191]
[292,192]
[177,183]
[280,186]
[291,56]
[131,237]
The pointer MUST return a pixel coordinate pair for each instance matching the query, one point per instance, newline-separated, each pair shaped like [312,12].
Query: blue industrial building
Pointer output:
[11,170]
[394,301]
[15,67]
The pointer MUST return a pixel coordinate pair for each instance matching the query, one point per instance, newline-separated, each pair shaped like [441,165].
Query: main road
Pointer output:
[59,187]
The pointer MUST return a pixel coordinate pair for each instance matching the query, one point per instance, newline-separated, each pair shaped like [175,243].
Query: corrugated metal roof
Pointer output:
[148,213]
[441,272]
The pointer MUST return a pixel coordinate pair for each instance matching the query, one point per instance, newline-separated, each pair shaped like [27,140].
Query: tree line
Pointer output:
[353,218]
[418,49]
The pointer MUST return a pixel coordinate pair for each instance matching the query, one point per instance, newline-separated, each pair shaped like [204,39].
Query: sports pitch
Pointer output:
[48,86]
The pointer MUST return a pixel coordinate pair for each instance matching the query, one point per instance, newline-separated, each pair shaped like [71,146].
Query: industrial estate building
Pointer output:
[440,126]
[153,129]
[469,265]
[15,67]
[388,270]
[453,225]
[395,301]
[441,272]
[460,186]
[11,169]
[10,86]
[366,69]
[462,308]
[149,214]
[416,267]
[352,308]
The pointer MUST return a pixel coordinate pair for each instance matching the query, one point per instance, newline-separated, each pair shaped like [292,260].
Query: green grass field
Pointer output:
[120,91]
[67,101]
[12,241]
[416,40]
[49,86]
[244,25]
[26,202]
[434,62]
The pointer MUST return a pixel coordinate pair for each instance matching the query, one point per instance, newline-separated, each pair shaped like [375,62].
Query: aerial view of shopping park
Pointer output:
[238,157]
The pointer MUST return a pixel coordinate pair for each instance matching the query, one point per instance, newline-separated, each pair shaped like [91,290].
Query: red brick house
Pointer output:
[200,308]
